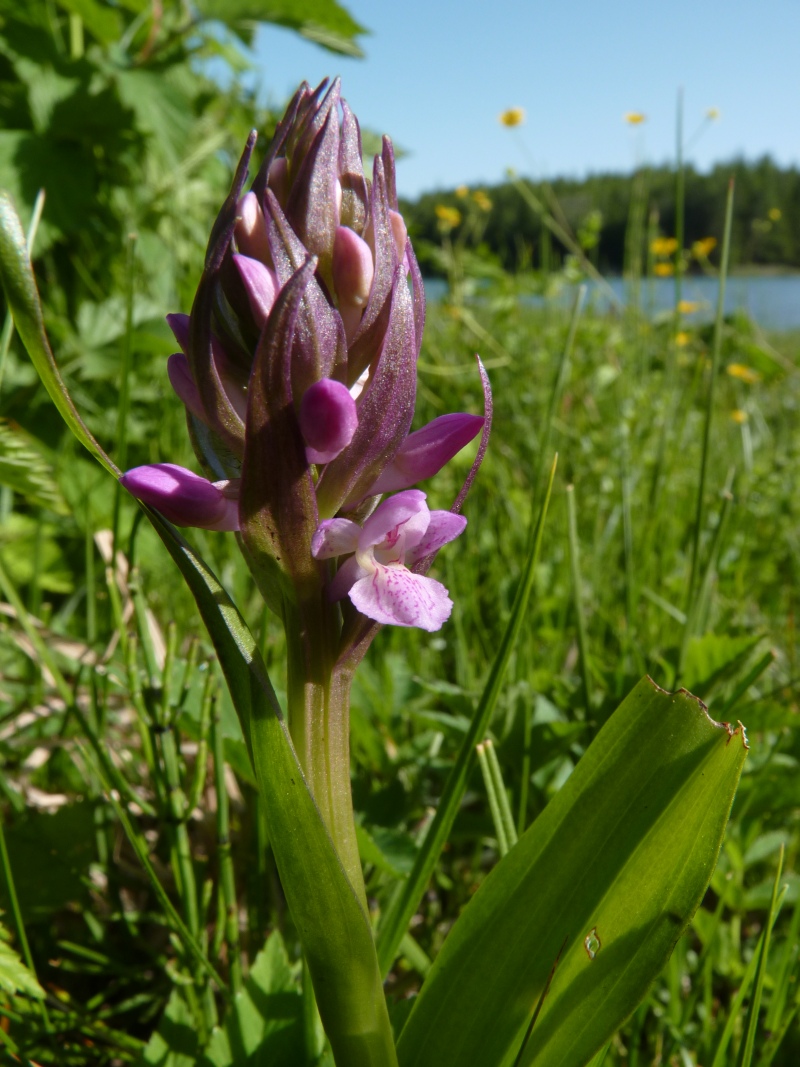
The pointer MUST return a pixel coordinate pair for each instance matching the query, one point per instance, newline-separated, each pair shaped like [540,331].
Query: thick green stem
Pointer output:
[319,722]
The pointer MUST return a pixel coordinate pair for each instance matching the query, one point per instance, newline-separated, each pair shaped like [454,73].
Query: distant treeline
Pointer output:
[605,209]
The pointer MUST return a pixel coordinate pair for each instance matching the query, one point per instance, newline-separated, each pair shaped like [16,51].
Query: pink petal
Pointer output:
[334,537]
[344,579]
[251,229]
[261,286]
[395,596]
[396,511]
[443,527]
[400,234]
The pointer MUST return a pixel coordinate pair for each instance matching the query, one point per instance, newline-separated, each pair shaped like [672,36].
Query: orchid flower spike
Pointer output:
[298,371]
[400,533]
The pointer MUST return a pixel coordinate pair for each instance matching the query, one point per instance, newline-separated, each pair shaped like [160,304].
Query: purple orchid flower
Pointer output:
[377,578]
[297,370]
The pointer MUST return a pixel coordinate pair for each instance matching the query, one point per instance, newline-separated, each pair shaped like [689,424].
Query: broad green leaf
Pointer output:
[162,109]
[174,1043]
[25,468]
[14,975]
[62,845]
[611,872]
[323,21]
[101,20]
[264,1022]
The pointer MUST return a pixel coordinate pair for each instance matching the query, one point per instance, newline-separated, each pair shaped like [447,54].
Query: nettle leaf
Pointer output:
[323,21]
[604,881]
[265,1021]
[26,468]
[163,110]
[101,20]
[174,1043]
[14,975]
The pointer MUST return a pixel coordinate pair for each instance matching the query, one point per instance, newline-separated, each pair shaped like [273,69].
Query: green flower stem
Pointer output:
[182,852]
[209,700]
[319,723]
[226,877]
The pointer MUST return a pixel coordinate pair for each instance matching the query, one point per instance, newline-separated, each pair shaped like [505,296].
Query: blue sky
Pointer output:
[438,74]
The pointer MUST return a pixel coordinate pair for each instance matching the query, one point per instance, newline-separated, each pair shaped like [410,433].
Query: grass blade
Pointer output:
[745,1056]
[408,894]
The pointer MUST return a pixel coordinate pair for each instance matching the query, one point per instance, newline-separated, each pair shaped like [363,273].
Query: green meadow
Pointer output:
[671,548]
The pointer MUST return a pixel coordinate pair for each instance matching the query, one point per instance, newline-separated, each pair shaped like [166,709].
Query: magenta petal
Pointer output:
[395,511]
[328,419]
[180,378]
[426,451]
[334,537]
[182,496]
[444,526]
[395,596]
[261,286]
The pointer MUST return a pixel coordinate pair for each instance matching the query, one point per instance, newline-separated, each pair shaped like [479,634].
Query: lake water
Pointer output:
[772,301]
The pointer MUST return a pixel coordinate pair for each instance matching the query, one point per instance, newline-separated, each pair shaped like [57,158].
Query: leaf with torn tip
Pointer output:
[617,864]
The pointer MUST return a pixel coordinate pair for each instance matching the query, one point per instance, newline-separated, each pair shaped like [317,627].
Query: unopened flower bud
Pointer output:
[180,378]
[261,287]
[251,230]
[183,497]
[278,180]
[353,267]
[399,232]
[353,271]
[328,420]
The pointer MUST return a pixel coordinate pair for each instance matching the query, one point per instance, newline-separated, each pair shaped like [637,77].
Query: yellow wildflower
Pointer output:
[712,114]
[462,192]
[743,373]
[635,118]
[703,248]
[482,200]
[664,246]
[663,270]
[682,339]
[774,214]
[739,416]
[447,216]
[513,116]
[688,307]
